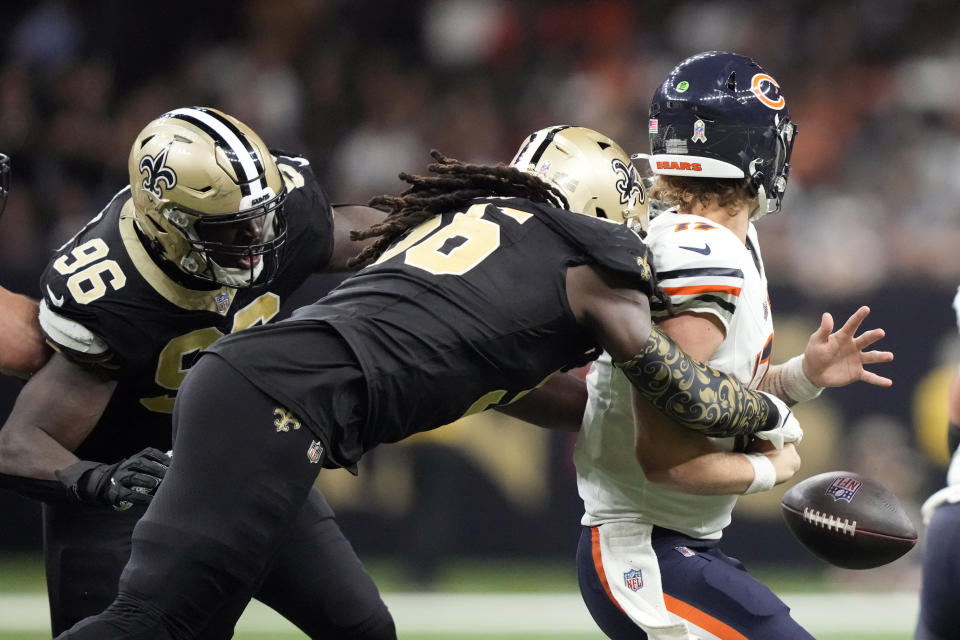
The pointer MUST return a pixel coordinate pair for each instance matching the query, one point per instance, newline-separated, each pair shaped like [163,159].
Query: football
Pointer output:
[848,520]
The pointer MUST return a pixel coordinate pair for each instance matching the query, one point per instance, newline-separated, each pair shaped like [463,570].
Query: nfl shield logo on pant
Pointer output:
[315,452]
[633,579]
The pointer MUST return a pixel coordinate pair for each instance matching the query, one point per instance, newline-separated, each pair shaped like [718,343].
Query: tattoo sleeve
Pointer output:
[696,395]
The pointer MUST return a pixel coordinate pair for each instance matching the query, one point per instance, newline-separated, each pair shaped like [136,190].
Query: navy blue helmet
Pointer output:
[4,181]
[720,115]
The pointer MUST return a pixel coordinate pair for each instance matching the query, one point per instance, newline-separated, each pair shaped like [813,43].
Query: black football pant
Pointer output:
[84,550]
[316,580]
[222,528]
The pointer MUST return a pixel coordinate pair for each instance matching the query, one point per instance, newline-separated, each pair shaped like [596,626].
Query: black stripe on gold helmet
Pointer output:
[590,169]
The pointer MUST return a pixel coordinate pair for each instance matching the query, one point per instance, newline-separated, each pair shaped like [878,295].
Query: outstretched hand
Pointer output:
[837,359]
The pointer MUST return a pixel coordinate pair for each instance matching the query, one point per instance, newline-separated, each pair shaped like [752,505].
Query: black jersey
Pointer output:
[106,299]
[467,311]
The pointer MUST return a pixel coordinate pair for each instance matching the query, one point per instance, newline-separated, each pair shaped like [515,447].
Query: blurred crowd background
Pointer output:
[366,89]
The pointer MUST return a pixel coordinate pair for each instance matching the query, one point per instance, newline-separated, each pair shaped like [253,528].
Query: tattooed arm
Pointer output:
[691,393]
[696,395]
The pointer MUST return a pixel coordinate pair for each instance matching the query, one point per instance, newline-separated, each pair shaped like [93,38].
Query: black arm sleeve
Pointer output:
[953,436]
[696,395]
[43,490]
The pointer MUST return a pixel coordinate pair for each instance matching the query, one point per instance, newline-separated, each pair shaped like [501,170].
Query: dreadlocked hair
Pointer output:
[453,186]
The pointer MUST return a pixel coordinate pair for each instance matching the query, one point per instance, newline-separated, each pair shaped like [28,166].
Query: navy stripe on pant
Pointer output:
[700,583]
[939,613]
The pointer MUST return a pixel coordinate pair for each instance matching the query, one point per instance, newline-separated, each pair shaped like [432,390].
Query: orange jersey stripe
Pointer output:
[701,619]
[703,288]
[598,564]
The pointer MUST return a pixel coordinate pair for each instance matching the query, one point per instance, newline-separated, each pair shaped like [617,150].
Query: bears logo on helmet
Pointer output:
[761,84]
[720,115]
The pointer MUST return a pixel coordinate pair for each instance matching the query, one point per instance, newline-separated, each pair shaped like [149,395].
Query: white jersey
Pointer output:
[953,473]
[705,268]
[950,493]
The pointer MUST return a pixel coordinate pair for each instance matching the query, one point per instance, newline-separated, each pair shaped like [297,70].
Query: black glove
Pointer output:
[121,485]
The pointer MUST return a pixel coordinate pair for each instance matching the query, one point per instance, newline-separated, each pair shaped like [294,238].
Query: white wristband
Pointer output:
[796,384]
[764,474]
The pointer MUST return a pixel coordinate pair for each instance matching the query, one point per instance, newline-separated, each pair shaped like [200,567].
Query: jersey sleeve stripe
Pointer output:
[722,307]
[64,333]
[705,288]
[657,307]
[729,307]
[700,272]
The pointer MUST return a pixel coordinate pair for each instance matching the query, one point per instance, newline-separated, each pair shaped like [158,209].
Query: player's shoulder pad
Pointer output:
[680,241]
[698,263]
[285,159]
[71,336]
[611,245]
[296,170]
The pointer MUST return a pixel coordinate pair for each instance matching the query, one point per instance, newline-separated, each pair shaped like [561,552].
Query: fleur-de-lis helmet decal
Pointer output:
[628,182]
[156,173]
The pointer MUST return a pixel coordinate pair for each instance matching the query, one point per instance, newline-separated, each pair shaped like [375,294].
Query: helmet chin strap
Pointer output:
[761,208]
[234,276]
[226,276]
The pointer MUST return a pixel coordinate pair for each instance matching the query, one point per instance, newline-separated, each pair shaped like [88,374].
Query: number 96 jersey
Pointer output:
[108,303]
[470,305]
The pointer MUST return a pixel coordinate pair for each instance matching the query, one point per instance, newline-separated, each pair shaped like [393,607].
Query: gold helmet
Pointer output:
[590,169]
[209,197]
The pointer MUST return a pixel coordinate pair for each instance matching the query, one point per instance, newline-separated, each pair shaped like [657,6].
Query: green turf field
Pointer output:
[24,573]
[298,636]
[467,596]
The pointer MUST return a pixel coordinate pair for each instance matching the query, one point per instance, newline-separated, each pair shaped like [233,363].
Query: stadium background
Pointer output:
[366,89]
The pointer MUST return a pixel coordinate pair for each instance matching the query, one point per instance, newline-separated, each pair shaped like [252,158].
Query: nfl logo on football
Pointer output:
[843,489]
[633,579]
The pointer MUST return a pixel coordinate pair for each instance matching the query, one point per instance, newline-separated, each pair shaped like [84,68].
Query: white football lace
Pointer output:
[821,519]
